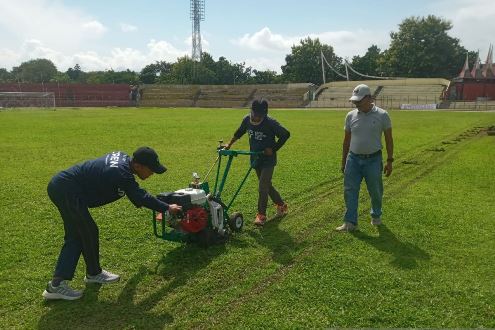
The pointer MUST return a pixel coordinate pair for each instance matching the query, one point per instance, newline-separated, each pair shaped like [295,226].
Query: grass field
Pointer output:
[430,265]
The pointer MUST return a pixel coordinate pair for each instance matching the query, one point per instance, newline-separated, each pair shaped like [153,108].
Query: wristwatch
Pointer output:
[390,160]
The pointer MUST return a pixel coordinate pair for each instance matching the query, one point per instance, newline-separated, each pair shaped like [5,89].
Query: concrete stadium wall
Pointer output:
[78,95]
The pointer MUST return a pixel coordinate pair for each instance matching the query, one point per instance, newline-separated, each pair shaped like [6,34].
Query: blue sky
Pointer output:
[106,34]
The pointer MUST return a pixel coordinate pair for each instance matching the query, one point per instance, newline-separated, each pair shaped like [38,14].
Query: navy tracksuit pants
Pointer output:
[81,232]
[265,189]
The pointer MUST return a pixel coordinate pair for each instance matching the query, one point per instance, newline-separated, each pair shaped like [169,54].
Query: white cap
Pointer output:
[359,92]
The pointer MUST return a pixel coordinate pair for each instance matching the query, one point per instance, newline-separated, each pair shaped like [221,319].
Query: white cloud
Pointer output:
[264,63]
[472,22]
[117,59]
[50,29]
[48,21]
[8,58]
[345,43]
[164,51]
[265,40]
[30,49]
[124,27]
[94,28]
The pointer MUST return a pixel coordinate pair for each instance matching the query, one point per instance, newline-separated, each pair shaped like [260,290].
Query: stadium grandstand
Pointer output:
[420,93]
[226,96]
[168,95]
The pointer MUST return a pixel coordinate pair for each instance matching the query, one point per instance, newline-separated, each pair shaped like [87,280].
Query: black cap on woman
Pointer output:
[259,110]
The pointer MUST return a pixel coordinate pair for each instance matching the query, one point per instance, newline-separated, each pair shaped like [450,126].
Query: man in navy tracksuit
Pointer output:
[263,131]
[91,184]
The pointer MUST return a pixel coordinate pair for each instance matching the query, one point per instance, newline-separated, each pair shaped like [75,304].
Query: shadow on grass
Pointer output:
[178,267]
[281,244]
[405,255]
[185,262]
[89,312]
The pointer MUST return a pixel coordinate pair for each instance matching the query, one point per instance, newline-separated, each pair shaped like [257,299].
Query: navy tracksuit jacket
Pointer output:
[91,184]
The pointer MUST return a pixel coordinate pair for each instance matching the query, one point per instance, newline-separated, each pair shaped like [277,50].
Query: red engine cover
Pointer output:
[195,220]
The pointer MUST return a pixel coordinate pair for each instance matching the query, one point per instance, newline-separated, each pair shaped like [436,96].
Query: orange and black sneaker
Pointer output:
[260,219]
[282,210]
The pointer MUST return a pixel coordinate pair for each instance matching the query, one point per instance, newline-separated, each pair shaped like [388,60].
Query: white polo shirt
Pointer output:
[366,129]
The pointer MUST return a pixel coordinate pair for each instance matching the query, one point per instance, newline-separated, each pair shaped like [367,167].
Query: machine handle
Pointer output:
[224,152]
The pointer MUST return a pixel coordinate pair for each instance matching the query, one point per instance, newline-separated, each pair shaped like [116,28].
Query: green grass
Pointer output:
[430,265]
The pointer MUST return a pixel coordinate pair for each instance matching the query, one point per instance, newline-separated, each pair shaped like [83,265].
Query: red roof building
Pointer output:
[475,84]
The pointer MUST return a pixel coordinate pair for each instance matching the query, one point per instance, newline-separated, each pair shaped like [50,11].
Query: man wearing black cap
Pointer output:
[266,135]
[91,184]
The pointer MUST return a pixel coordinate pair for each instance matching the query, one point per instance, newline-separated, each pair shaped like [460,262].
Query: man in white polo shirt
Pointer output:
[362,156]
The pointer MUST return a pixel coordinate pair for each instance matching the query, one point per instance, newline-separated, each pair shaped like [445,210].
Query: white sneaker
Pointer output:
[376,221]
[105,277]
[346,226]
[62,291]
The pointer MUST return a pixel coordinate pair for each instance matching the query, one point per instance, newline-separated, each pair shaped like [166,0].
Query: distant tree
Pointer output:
[265,77]
[207,61]
[76,74]
[186,71]
[225,71]
[304,64]
[95,77]
[112,77]
[61,77]
[35,71]
[243,73]
[100,77]
[202,75]
[472,58]
[205,70]
[5,76]
[153,73]
[423,48]
[124,77]
[368,64]
[182,71]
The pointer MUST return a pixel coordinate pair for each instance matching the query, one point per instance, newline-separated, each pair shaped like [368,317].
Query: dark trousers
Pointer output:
[265,188]
[81,231]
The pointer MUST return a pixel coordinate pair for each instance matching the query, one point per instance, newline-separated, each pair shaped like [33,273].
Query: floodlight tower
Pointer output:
[197,15]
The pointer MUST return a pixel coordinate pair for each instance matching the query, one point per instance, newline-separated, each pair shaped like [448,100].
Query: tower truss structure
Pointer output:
[197,15]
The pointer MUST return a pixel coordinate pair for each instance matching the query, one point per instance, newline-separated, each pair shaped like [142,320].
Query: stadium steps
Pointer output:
[250,98]
[387,93]
[224,96]
[377,91]
[196,97]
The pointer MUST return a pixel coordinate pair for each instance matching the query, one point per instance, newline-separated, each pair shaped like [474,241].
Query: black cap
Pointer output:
[148,157]
[260,107]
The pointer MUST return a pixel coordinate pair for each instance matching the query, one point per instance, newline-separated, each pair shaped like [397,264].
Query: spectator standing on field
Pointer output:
[362,156]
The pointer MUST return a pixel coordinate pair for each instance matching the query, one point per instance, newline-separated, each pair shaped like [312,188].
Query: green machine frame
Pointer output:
[170,234]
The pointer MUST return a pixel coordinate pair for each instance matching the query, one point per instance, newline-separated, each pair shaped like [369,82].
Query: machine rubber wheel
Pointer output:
[236,221]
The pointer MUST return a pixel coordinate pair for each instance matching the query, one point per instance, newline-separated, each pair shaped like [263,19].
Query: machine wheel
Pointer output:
[236,221]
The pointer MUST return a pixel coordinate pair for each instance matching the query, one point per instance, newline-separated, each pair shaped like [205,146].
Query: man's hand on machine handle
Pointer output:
[228,145]
[174,209]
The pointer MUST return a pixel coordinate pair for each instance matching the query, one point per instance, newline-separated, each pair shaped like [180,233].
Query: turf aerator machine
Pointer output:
[205,217]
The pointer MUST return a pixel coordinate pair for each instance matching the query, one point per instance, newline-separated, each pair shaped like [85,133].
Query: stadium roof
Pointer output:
[485,71]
